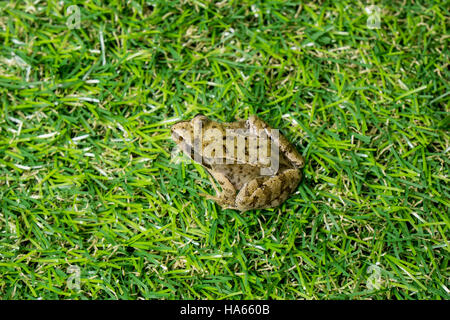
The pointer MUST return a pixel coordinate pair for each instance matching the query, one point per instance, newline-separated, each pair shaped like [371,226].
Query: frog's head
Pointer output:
[183,131]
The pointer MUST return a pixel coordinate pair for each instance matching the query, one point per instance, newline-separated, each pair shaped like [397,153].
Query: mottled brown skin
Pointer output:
[243,186]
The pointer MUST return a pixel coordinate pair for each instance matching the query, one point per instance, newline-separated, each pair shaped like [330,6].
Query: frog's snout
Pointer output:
[177,136]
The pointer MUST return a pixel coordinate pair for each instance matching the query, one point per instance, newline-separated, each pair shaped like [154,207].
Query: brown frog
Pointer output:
[255,166]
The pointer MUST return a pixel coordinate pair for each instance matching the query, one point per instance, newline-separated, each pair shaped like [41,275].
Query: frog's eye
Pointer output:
[177,136]
[180,134]
[200,118]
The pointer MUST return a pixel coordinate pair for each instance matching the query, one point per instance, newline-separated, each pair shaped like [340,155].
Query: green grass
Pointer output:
[87,179]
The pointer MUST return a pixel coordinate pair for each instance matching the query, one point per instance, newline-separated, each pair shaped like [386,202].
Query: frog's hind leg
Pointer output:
[267,192]
[226,197]
[254,123]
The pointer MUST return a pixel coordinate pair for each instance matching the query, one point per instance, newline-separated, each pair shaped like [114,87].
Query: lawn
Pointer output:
[96,204]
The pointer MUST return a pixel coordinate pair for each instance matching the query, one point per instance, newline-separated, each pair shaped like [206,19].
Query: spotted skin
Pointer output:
[242,185]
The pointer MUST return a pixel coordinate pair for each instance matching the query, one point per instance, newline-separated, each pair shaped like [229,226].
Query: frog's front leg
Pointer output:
[226,197]
[267,192]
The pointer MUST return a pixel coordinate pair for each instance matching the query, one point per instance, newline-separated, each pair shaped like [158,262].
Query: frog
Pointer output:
[244,169]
